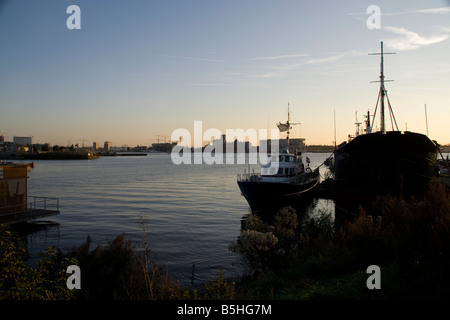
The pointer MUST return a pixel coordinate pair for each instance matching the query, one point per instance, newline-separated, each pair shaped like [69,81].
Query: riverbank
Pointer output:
[402,253]
[50,155]
[121,154]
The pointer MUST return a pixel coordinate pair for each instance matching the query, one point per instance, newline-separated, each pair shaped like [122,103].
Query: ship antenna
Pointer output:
[288,127]
[383,93]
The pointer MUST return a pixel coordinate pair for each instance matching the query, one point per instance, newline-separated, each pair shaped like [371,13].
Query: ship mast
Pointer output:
[382,90]
[288,127]
[383,93]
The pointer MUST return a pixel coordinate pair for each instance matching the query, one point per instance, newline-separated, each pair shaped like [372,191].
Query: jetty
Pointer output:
[15,204]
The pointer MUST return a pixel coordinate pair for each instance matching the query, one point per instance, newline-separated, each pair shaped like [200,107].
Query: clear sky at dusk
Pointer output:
[138,69]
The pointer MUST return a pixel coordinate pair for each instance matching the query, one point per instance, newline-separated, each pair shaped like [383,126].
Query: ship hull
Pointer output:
[374,165]
[262,196]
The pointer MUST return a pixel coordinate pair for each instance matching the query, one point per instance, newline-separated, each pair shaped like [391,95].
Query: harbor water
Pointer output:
[194,212]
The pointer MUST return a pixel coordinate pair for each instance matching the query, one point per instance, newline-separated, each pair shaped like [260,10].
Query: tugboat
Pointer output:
[374,164]
[288,185]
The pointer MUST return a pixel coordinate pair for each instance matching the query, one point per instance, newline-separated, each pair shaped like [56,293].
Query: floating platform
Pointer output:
[15,204]
[38,207]
[24,216]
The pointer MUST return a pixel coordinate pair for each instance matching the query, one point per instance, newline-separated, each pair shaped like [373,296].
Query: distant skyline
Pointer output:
[137,70]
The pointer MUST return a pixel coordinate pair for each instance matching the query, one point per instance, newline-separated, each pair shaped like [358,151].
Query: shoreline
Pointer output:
[51,155]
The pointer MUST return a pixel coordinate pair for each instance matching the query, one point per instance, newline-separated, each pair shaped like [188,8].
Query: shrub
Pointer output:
[12,265]
[116,271]
[220,289]
[45,281]
[268,244]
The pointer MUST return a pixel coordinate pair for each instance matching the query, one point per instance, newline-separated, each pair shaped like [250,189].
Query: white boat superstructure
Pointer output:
[283,178]
[289,165]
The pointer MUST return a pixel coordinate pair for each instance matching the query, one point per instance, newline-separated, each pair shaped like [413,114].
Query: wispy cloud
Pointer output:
[268,75]
[286,56]
[441,10]
[190,58]
[324,60]
[281,70]
[411,40]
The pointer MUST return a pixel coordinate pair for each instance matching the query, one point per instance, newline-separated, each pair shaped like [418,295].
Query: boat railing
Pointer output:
[249,177]
[33,203]
[43,203]
[253,177]
[34,208]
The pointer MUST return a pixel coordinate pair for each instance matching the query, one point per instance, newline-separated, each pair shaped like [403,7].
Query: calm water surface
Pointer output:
[194,211]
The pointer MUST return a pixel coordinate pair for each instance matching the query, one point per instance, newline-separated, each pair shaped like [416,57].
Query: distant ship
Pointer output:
[374,164]
[288,185]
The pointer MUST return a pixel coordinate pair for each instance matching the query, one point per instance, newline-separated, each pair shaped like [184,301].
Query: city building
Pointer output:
[295,144]
[107,145]
[22,141]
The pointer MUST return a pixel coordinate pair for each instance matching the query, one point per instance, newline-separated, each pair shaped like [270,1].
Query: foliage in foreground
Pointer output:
[408,240]
[46,280]
[287,258]
[116,271]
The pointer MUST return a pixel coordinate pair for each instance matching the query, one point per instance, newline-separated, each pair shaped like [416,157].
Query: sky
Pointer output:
[138,70]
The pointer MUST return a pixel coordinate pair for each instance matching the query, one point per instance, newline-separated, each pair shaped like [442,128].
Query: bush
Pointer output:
[113,271]
[116,272]
[220,289]
[45,281]
[271,244]
[409,239]
[12,265]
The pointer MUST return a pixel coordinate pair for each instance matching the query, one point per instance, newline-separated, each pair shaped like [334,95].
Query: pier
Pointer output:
[38,207]
[15,204]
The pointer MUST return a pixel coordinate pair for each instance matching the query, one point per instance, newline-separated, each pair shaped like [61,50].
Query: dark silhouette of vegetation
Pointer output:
[115,271]
[288,257]
[45,147]
[46,280]
[408,240]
